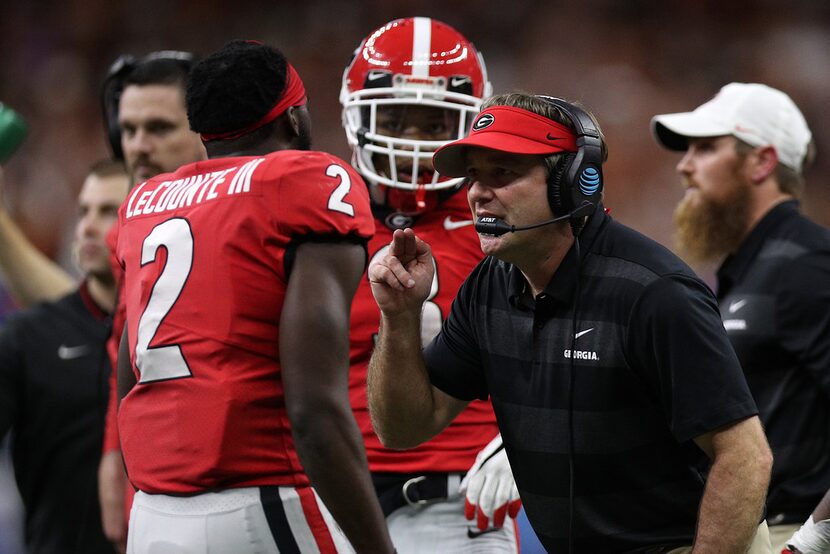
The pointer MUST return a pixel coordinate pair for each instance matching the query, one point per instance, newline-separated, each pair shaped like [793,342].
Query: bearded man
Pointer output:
[745,151]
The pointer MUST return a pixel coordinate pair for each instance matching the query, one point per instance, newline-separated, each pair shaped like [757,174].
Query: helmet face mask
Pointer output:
[414,85]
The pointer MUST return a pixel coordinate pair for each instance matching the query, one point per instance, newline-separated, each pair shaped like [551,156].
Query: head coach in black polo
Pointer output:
[744,155]
[610,373]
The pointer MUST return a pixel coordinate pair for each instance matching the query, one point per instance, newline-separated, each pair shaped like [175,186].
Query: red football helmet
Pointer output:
[416,61]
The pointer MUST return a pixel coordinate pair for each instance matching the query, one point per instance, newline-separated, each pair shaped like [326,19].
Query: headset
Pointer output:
[113,86]
[578,178]
[575,185]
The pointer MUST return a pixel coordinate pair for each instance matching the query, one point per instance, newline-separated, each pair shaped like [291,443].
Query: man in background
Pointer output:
[745,152]
[54,382]
[147,127]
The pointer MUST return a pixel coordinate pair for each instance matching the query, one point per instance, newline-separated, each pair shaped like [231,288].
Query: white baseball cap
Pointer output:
[756,114]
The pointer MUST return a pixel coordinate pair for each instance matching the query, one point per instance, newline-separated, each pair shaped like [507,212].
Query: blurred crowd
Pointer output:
[626,60]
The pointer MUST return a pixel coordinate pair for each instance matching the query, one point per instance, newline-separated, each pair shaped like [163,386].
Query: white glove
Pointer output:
[812,538]
[491,492]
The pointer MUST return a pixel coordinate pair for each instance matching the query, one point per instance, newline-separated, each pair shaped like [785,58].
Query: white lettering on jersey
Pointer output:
[734,324]
[582,355]
[132,197]
[171,195]
[242,180]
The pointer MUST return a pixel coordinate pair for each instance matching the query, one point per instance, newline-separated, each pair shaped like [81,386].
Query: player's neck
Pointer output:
[245,146]
[102,293]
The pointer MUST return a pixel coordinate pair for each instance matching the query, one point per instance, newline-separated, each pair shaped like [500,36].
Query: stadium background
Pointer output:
[624,59]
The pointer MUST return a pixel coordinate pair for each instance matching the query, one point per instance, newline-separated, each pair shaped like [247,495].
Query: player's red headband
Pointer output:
[294,95]
[506,129]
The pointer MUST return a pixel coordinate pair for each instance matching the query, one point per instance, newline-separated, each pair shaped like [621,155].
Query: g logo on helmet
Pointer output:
[483,121]
[589,181]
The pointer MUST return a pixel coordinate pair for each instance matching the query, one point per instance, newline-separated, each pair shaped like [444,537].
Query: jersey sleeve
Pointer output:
[321,195]
[677,344]
[803,314]
[453,358]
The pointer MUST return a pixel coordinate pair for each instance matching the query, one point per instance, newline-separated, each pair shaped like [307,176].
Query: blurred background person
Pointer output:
[54,376]
[146,126]
[745,152]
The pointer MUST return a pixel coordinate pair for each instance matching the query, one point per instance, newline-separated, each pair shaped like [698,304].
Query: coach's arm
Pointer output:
[736,487]
[406,409]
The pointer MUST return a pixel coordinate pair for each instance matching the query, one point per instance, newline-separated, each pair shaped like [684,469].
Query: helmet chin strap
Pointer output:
[411,202]
[420,197]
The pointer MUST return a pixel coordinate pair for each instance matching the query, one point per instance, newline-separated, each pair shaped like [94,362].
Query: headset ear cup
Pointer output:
[558,192]
[111,90]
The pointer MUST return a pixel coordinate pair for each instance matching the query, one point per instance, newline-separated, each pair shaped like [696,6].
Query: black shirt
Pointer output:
[652,369]
[774,294]
[53,396]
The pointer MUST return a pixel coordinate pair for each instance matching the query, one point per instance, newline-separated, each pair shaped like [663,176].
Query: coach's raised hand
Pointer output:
[401,279]
[406,409]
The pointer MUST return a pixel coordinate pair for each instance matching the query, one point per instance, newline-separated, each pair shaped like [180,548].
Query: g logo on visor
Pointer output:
[483,121]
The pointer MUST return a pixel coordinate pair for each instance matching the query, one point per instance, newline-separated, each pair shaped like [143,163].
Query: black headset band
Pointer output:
[582,122]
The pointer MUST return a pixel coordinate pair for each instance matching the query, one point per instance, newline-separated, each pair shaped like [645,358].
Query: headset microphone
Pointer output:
[497,227]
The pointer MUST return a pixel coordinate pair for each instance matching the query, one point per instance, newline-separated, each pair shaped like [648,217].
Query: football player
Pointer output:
[237,270]
[414,85]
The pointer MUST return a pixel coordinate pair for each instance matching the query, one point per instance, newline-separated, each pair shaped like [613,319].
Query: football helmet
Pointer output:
[412,62]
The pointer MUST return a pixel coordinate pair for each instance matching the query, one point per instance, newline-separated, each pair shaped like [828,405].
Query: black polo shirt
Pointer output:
[53,395]
[774,294]
[652,369]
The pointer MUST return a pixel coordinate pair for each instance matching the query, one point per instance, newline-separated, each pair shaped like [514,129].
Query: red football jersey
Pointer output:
[204,252]
[455,247]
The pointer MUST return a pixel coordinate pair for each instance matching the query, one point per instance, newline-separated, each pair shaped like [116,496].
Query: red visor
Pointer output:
[294,95]
[506,129]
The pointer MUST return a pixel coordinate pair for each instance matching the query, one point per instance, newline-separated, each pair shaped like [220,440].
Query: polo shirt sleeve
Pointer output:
[453,358]
[11,374]
[803,314]
[677,344]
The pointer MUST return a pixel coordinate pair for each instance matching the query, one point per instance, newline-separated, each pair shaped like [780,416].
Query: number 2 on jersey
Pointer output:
[163,362]
[336,202]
